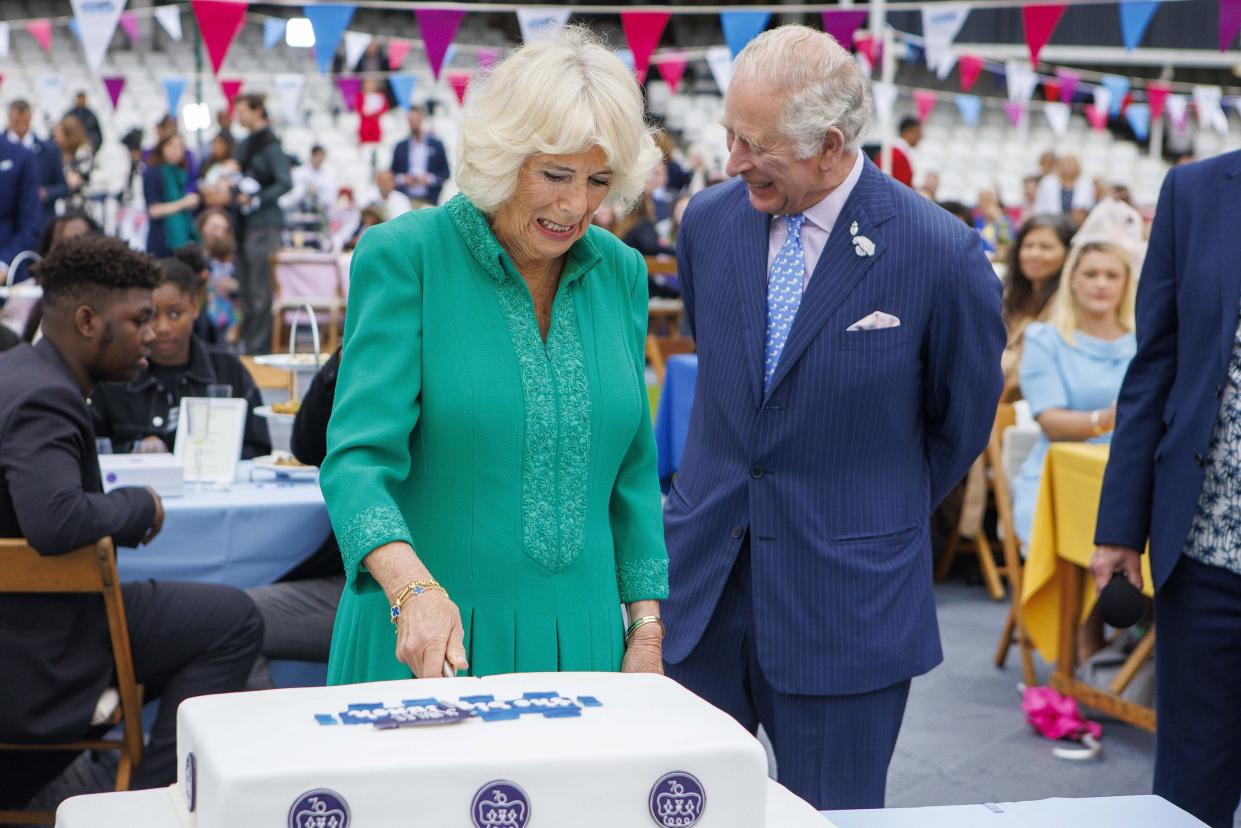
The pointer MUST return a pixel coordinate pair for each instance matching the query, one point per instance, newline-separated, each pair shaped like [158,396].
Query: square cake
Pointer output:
[547,750]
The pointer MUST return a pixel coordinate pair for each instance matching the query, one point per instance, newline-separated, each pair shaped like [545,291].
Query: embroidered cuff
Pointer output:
[643,580]
[368,529]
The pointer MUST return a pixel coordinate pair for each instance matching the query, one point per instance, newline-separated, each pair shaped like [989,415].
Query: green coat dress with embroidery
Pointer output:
[522,472]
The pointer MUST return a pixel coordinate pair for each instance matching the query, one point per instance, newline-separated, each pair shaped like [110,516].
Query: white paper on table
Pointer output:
[221,448]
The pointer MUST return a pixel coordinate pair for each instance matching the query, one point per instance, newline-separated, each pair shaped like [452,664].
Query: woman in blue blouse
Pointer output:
[1073,365]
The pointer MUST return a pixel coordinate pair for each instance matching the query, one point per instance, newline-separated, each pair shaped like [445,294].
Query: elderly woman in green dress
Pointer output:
[491,467]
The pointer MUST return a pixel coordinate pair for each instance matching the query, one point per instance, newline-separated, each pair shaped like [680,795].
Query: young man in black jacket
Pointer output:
[187,639]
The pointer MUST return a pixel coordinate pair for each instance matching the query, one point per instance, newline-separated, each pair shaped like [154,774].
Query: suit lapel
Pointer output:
[749,243]
[840,269]
[1228,218]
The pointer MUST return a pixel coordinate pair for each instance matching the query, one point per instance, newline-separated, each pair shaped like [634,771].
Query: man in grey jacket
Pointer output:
[265,177]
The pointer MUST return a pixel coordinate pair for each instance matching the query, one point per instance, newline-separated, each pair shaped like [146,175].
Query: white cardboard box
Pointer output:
[162,472]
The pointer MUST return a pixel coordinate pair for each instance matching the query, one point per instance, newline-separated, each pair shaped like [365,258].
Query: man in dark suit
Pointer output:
[187,639]
[52,185]
[419,162]
[1174,479]
[20,214]
[849,341]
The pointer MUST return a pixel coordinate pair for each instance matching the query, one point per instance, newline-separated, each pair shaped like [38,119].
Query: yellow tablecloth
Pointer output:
[1064,526]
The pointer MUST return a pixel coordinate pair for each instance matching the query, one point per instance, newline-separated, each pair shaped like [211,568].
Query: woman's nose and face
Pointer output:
[173,323]
[1099,283]
[555,200]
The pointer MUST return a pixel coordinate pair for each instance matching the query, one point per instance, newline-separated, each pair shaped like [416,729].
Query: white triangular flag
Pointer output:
[720,61]
[946,64]
[541,24]
[170,18]
[355,46]
[4,40]
[1176,106]
[1102,99]
[289,92]
[51,93]
[885,101]
[1058,117]
[1207,100]
[1022,80]
[96,21]
[940,24]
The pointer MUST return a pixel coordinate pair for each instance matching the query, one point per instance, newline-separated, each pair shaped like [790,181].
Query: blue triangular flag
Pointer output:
[1139,115]
[1134,18]
[970,107]
[402,88]
[73,27]
[329,21]
[173,87]
[742,27]
[1119,87]
[273,32]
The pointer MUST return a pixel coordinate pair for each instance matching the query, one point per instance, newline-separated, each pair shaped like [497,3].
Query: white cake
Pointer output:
[553,750]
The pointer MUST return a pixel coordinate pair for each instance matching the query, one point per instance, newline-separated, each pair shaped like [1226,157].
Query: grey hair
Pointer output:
[821,83]
[558,96]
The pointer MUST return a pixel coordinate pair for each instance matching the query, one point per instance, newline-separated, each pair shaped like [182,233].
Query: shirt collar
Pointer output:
[825,213]
[27,142]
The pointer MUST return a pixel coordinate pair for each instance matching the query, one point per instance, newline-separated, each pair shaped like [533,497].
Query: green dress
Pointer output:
[522,472]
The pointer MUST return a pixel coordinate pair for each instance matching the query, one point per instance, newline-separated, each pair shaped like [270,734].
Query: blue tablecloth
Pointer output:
[247,536]
[672,419]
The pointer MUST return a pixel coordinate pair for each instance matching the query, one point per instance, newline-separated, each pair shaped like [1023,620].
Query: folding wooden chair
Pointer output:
[91,569]
[663,337]
[1014,629]
[268,378]
[306,277]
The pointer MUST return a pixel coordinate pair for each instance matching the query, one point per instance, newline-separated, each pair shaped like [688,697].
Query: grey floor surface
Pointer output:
[965,740]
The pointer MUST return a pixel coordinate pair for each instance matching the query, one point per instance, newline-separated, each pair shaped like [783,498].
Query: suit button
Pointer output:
[756,472]
[738,531]
[1198,458]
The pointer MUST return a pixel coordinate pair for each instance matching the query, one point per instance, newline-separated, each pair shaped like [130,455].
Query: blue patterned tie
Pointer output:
[784,286]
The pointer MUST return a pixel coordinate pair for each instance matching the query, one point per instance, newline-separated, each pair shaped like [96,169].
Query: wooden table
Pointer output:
[1057,589]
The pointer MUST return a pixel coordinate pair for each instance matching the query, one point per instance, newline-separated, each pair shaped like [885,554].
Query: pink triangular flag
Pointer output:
[129,22]
[114,84]
[460,81]
[1013,110]
[868,47]
[925,100]
[349,88]
[41,30]
[842,23]
[486,58]
[1040,22]
[438,28]
[230,87]
[219,21]
[672,69]
[397,50]
[1229,22]
[1097,116]
[1156,95]
[643,31]
[971,67]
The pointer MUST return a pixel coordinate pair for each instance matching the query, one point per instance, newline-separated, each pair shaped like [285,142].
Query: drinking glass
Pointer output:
[197,416]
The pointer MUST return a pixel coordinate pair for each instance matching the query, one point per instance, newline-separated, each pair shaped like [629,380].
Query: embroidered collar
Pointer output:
[476,232]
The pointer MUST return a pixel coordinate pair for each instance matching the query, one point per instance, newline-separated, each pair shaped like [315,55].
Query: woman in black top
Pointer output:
[141,415]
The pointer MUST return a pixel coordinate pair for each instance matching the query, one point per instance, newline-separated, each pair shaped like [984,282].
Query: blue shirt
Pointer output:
[1077,377]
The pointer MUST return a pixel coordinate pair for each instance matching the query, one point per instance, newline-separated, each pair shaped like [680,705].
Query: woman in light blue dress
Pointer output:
[1073,364]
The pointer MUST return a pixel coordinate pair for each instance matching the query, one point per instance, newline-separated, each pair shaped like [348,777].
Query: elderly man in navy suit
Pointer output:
[849,342]
[52,185]
[1174,479]
[20,213]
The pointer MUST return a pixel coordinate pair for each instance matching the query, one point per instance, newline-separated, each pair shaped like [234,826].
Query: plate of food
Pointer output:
[284,464]
[282,411]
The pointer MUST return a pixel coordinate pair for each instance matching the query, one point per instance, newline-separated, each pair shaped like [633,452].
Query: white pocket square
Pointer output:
[876,321]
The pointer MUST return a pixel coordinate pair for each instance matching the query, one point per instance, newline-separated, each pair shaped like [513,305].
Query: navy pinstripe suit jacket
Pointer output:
[835,470]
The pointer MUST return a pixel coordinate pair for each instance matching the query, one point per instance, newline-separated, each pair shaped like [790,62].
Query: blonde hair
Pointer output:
[1066,313]
[559,96]
[820,81]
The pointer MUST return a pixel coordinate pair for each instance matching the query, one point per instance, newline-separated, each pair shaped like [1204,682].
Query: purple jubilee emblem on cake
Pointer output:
[319,808]
[500,804]
[191,782]
[677,800]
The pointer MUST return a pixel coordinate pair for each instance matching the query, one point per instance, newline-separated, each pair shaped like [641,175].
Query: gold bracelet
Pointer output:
[638,623]
[1095,425]
[414,588]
